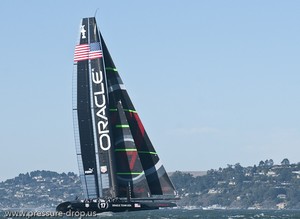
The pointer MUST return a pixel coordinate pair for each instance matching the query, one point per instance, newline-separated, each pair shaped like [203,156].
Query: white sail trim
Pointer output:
[135,180]
[124,139]
[158,168]
[154,169]
[100,184]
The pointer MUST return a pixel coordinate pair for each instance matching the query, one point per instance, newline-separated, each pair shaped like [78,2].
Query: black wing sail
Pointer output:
[137,162]
[90,112]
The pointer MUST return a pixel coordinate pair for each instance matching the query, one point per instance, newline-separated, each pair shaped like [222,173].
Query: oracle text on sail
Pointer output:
[100,105]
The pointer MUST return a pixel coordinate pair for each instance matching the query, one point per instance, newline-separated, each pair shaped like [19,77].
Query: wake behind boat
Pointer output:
[115,156]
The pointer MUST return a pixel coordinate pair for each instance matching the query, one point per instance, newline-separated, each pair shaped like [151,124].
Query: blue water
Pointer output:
[195,213]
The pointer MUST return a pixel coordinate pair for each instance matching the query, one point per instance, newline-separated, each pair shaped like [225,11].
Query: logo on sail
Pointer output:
[82,30]
[89,171]
[103,169]
[100,105]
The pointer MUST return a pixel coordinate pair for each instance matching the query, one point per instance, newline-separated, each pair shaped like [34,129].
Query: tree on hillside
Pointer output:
[285,162]
[261,164]
[269,163]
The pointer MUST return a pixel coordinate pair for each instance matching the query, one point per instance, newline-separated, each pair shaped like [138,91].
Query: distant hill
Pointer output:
[265,186]
[39,189]
[193,173]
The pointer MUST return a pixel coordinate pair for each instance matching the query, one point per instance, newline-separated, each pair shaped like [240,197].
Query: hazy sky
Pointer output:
[214,82]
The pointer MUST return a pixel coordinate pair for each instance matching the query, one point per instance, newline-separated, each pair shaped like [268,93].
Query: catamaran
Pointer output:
[118,166]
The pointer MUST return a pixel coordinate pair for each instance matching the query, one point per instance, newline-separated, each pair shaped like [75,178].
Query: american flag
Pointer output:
[87,51]
[81,52]
[137,205]
[95,51]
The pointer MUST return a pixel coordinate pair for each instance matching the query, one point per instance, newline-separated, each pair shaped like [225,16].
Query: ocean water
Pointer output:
[184,213]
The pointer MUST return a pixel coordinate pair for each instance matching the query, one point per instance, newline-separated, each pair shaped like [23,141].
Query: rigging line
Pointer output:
[96,12]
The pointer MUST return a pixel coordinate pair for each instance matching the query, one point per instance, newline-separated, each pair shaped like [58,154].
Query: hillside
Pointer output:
[39,189]
[266,186]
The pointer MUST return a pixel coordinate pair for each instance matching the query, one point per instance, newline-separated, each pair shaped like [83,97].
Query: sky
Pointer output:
[214,82]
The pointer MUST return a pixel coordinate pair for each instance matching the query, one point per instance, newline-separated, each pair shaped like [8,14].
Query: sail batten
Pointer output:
[111,69]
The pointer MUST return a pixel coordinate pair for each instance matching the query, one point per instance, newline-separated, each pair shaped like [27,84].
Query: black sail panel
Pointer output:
[158,180]
[129,169]
[91,115]
[153,170]
[85,146]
